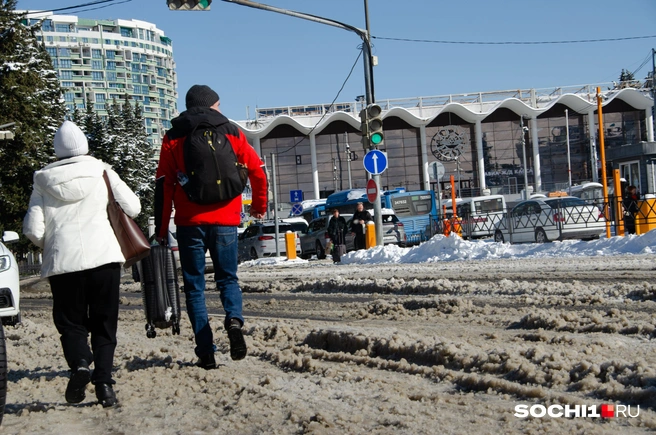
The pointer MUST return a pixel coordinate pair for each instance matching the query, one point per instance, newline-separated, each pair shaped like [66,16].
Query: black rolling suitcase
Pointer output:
[160,290]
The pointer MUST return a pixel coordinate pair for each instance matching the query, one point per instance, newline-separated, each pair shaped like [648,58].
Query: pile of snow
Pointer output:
[453,248]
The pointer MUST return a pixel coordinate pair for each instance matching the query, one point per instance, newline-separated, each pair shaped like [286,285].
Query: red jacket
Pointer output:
[170,195]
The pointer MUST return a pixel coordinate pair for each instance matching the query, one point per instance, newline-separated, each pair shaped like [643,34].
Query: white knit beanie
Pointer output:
[70,141]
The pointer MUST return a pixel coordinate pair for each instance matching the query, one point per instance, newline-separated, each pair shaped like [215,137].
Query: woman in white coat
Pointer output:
[67,218]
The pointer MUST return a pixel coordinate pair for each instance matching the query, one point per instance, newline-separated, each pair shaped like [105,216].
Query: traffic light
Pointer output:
[375,125]
[189,5]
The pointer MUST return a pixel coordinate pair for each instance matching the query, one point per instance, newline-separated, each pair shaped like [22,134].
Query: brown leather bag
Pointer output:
[134,244]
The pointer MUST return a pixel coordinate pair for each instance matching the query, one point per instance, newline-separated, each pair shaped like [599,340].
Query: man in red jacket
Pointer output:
[210,227]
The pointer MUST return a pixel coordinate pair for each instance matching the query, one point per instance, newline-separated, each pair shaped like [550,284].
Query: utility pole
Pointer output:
[524,130]
[653,86]
[348,160]
[569,159]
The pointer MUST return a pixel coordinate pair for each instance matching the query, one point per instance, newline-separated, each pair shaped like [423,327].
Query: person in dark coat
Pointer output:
[630,203]
[360,219]
[336,231]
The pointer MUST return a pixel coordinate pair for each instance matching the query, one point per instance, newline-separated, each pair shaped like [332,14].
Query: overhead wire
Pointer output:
[83,5]
[329,107]
[573,41]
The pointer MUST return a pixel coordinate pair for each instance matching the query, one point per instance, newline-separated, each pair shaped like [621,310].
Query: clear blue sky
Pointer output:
[260,58]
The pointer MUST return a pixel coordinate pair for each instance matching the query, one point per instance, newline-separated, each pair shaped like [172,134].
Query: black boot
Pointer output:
[207,361]
[105,395]
[78,382]
[237,342]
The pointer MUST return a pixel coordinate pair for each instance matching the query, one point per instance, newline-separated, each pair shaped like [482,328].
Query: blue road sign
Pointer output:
[375,162]
[297,209]
[295,196]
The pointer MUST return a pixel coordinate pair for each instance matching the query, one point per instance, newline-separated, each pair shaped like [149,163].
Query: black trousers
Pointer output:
[84,303]
[360,241]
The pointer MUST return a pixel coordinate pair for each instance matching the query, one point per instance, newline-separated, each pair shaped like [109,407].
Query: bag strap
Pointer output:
[109,187]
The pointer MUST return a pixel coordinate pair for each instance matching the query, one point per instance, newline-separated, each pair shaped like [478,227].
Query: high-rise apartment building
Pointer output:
[102,60]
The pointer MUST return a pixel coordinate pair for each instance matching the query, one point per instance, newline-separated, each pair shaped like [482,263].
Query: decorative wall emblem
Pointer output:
[448,143]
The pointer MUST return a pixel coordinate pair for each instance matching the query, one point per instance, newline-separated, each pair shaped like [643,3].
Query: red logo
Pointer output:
[607,411]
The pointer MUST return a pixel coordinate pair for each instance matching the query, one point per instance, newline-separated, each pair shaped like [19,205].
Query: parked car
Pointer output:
[299,224]
[547,219]
[9,281]
[393,230]
[259,240]
[9,305]
[313,241]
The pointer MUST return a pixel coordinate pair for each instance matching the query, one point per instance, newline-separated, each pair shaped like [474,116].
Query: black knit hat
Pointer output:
[201,96]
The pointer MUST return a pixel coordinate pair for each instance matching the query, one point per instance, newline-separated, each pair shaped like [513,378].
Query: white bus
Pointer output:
[479,214]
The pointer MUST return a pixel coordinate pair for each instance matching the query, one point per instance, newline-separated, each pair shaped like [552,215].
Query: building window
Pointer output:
[96,64]
[47,26]
[126,32]
[85,40]
[66,75]
[631,173]
[97,75]
[65,63]
[65,28]
[64,52]
[110,54]
[96,53]
[111,76]
[69,97]
[52,51]
[100,98]
[63,39]
[99,106]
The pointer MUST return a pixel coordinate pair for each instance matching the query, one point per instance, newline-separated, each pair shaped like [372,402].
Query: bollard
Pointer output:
[370,235]
[290,245]
[645,218]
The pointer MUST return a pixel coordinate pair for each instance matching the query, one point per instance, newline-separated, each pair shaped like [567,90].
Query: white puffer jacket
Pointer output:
[67,216]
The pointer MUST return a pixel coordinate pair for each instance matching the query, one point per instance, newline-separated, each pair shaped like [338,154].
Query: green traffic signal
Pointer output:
[376,138]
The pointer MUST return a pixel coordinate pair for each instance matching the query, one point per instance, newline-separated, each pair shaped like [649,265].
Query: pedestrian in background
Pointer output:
[360,219]
[337,231]
[630,203]
[202,227]
[67,218]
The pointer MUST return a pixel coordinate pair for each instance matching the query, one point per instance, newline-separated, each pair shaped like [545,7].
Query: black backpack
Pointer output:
[213,172]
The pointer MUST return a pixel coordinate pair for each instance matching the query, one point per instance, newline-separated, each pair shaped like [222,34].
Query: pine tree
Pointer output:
[145,167]
[30,96]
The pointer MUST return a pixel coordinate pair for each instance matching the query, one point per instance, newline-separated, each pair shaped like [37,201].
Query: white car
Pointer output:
[259,240]
[9,282]
[544,220]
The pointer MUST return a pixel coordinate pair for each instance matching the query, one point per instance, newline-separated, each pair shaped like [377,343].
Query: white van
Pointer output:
[479,214]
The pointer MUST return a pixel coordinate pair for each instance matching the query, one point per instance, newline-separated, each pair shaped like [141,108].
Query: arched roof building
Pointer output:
[494,140]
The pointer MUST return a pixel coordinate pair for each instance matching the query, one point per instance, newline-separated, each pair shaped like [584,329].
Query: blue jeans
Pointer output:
[221,241]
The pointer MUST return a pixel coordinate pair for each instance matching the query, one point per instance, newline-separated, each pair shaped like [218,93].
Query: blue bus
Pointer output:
[416,209]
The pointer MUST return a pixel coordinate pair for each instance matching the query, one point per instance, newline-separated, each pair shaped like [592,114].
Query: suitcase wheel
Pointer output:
[150,331]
